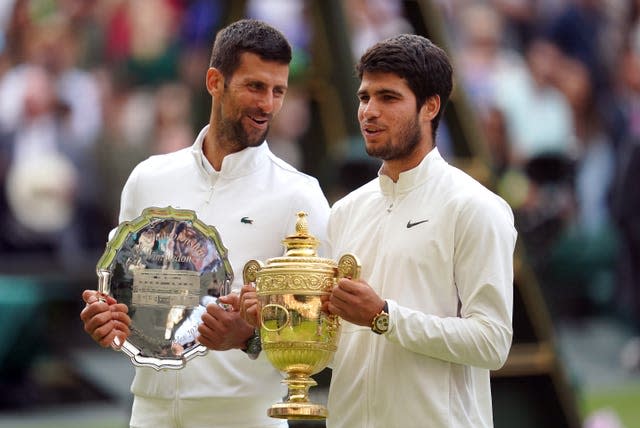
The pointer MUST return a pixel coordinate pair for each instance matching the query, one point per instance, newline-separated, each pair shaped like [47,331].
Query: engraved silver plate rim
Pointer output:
[115,244]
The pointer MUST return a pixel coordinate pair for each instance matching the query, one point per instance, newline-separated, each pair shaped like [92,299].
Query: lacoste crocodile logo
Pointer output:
[411,224]
[246,220]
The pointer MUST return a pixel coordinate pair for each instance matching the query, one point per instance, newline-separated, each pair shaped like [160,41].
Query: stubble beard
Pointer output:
[230,132]
[233,133]
[408,139]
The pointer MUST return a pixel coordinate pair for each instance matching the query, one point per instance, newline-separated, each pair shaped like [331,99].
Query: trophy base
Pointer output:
[306,411]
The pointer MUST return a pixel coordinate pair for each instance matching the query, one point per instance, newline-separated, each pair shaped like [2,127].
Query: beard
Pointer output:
[408,138]
[230,130]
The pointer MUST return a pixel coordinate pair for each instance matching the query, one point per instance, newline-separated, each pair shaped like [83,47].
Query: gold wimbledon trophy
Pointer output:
[298,338]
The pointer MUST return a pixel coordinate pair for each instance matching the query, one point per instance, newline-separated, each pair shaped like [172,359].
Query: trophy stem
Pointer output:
[296,404]
[298,385]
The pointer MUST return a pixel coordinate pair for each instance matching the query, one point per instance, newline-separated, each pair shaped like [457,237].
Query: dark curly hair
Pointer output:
[423,65]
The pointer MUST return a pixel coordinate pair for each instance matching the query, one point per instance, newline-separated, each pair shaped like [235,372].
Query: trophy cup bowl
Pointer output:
[298,338]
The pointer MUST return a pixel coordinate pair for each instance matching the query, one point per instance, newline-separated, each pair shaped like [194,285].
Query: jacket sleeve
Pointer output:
[481,334]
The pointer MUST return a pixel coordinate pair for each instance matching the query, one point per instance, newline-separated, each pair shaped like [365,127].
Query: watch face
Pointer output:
[382,322]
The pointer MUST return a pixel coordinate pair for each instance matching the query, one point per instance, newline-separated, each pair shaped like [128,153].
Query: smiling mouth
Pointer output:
[372,130]
[259,122]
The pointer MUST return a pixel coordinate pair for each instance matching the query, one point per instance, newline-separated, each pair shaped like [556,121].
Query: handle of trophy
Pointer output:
[349,266]
[250,271]
[271,311]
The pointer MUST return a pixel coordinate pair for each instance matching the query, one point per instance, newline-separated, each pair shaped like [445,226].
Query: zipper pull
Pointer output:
[210,195]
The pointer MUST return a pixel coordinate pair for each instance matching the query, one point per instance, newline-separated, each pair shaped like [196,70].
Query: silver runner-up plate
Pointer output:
[166,266]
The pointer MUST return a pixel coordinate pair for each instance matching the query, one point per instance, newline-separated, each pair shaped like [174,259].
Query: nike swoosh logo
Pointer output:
[410,224]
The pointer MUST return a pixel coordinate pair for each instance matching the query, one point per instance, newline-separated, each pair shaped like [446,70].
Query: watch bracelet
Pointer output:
[253,345]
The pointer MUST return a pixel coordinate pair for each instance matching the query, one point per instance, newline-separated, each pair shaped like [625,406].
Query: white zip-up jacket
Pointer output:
[252,202]
[438,246]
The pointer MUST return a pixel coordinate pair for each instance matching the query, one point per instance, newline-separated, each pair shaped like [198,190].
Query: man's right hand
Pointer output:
[105,319]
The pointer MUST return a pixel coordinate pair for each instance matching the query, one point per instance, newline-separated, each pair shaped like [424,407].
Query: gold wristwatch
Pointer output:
[380,323]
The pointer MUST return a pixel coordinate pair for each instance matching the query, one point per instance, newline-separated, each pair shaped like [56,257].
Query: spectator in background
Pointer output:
[626,195]
[539,131]
[483,60]
[373,20]
[121,144]
[40,209]
[581,31]
[589,31]
[172,129]
[141,41]
[538,115]
[581,261]
[520,18]
[55,126]
[594,152]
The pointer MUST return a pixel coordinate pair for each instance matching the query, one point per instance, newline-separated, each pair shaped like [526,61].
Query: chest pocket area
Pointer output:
[417,242]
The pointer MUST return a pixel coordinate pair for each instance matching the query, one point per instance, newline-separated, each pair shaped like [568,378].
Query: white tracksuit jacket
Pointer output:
[252,183]
[438,246]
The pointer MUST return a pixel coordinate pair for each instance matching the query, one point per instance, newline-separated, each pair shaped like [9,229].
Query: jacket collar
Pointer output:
[235,165]
[412,178]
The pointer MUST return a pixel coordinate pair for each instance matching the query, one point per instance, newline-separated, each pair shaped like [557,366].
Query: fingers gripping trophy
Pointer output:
[298,338]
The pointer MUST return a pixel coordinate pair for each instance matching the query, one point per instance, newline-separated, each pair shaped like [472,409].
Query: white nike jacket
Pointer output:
[438,246]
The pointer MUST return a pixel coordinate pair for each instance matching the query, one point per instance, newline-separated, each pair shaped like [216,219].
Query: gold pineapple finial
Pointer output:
[302,226]
[302,244]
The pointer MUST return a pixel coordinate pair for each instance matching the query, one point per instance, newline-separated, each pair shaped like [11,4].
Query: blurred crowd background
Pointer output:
[88,88]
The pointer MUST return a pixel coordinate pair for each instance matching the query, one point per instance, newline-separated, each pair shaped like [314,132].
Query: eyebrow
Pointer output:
[380,92]
[253,81]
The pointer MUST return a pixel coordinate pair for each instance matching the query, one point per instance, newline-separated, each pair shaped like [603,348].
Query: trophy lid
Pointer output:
[302,243]
[299,257]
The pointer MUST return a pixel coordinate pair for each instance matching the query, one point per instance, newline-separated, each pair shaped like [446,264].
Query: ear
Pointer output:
[430,108]
[214,81]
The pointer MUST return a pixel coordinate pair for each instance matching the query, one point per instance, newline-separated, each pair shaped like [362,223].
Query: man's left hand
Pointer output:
[354,301]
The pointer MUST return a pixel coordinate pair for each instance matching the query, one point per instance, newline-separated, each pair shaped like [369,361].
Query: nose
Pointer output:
[369,110]
[266,102]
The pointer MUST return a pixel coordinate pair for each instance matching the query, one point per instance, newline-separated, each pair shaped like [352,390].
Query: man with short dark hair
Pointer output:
[432,315]
[233,182]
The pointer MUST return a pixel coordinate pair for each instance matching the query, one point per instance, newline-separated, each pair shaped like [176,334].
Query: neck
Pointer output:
[213,150]
[392,168]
